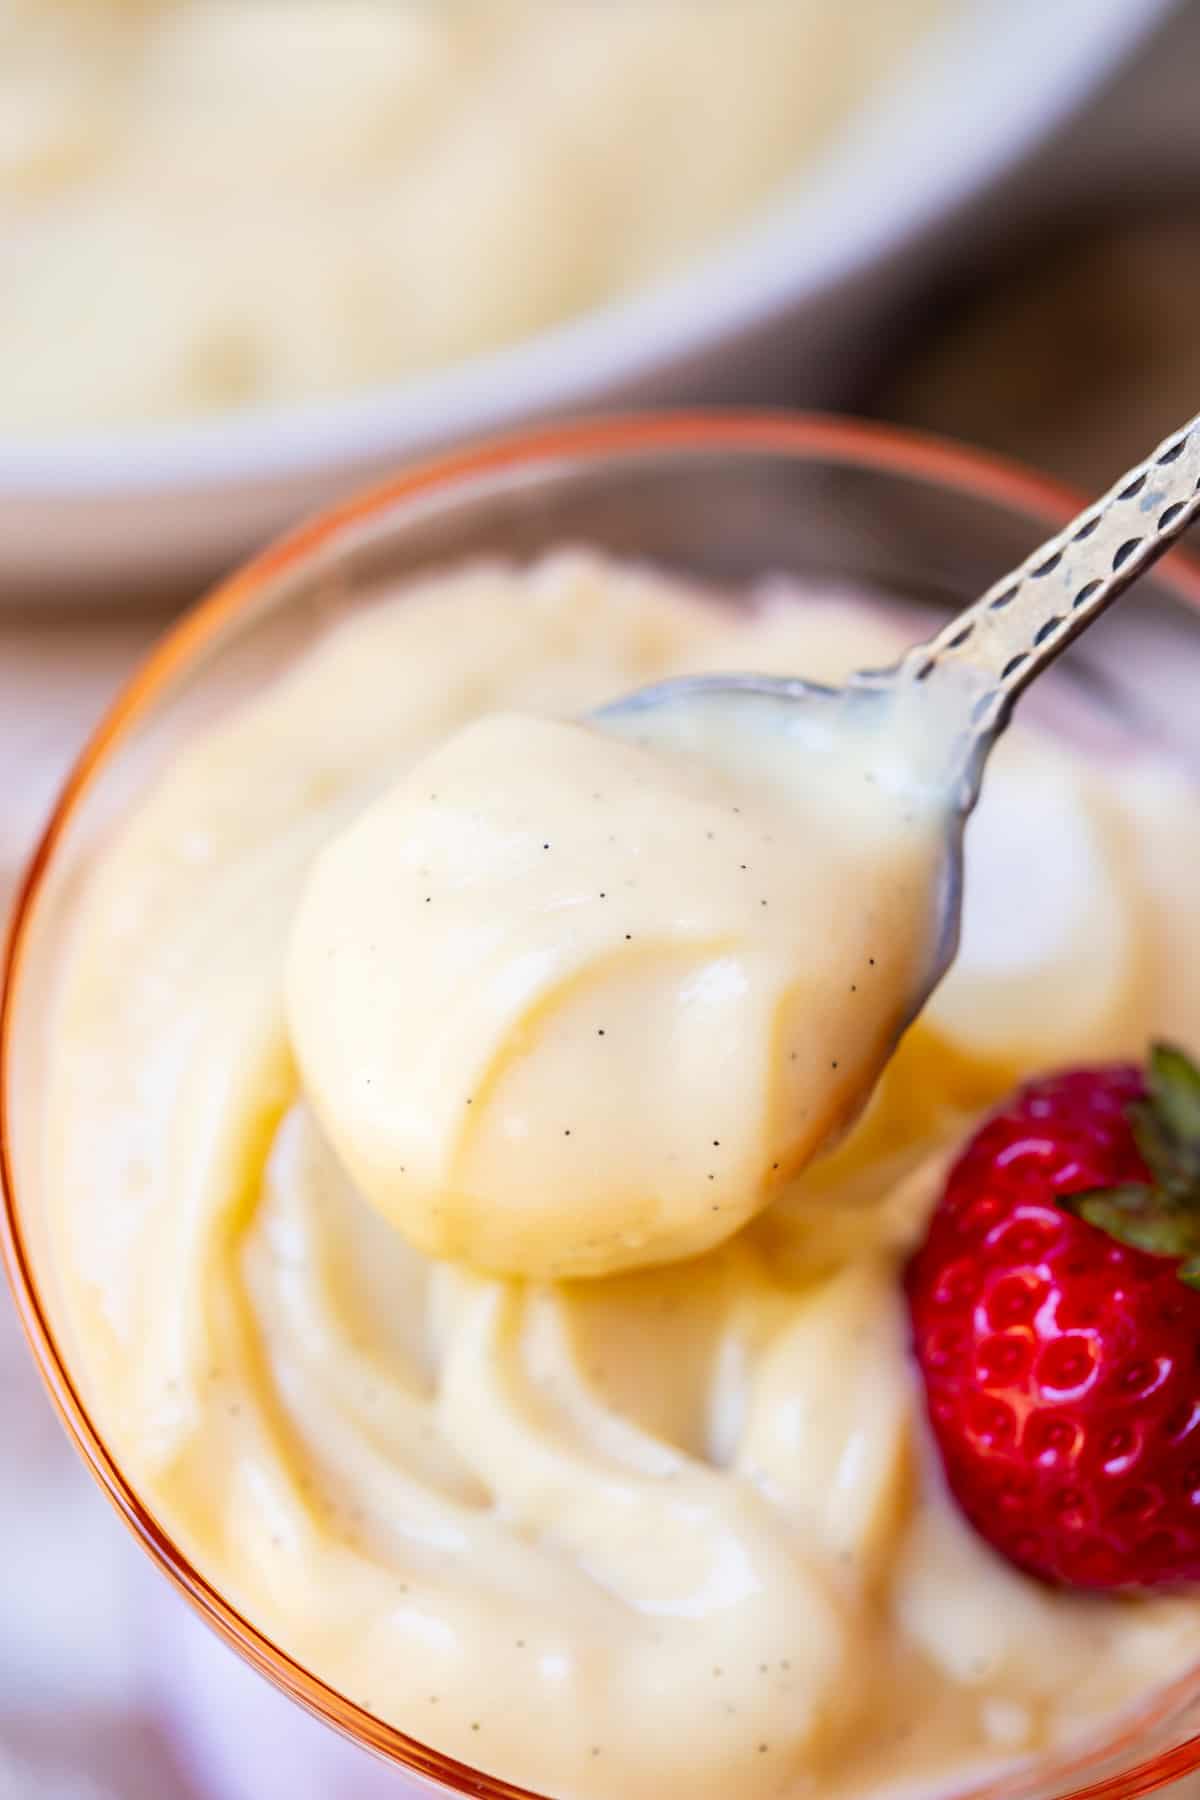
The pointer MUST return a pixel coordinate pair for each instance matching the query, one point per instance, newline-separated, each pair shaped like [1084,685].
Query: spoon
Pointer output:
[959,687]
[563,1039]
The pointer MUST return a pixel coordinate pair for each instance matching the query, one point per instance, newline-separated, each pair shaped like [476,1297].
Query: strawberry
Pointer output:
[1055,1308]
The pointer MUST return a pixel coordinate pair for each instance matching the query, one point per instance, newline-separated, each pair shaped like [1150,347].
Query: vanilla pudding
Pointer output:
[577,998]
[270,201]
[662,1529]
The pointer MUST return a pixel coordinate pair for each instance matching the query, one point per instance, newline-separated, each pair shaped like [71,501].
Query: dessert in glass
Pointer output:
[652,1502]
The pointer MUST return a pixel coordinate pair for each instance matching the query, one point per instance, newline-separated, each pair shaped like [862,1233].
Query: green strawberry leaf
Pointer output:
[1133,1215]
[1174,1084]
[1159,1151]
[1130,1200]
[1162,1215]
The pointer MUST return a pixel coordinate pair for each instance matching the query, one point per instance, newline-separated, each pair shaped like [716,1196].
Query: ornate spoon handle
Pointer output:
[1028,617]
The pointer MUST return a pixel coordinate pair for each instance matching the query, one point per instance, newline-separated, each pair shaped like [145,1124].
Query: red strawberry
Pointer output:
[1056,1321]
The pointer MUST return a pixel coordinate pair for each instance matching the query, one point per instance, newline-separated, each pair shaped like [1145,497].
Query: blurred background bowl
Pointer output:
[788,305]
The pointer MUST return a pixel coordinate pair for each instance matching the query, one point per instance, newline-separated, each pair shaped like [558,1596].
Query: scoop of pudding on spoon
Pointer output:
[575,998]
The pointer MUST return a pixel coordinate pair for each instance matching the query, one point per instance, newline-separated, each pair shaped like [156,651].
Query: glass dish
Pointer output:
[723,498]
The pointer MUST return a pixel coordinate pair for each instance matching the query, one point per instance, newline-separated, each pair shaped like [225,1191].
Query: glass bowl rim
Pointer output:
[800,437]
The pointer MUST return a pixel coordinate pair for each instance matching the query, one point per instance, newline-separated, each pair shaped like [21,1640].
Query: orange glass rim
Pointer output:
[792,436]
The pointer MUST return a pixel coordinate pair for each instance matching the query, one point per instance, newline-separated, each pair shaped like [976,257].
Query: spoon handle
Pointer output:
[1027,618]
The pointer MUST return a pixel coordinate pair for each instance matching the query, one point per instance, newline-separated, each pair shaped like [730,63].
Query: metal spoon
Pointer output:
[970,675]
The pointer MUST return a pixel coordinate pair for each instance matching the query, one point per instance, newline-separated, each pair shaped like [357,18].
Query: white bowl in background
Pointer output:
[785,301]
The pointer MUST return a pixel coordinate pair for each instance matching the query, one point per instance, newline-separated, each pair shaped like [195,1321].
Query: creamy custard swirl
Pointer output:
[669,1530]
